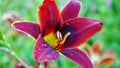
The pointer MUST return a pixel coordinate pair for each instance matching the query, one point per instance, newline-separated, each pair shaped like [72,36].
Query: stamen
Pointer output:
[61,40]
[59,35]
[65,37]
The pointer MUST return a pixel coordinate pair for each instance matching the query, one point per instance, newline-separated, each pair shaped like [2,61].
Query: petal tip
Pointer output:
[80,3]
[30,28]
[71,10]
[14,24]
[100,25]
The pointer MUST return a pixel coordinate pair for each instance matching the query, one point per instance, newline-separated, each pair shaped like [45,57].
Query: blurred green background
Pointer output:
[108,11]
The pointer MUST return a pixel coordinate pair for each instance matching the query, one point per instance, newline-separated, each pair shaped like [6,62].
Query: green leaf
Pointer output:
[1,38]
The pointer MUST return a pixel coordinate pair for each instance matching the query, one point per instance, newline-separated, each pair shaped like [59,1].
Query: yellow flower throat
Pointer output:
[55,40]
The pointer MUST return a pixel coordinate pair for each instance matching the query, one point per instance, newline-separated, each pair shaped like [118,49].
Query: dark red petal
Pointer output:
[43,52]
[30,28]
[49,16]
[82,29]
[78,57]
[71,10]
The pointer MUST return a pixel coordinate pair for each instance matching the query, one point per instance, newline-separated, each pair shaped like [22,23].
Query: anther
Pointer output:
[65,37]
[59,35]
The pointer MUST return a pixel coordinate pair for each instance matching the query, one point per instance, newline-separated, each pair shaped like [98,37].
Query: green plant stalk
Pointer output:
[18,58]
[9,50]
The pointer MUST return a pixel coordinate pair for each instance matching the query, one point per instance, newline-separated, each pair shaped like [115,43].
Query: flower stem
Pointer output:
[9,50]
[19,59]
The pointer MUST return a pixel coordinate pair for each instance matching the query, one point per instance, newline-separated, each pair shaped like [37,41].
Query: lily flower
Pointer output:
[97,56]
[60,32]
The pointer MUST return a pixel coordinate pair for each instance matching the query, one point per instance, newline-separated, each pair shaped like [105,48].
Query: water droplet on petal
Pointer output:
[67,24]
[22,26]
[39,49]
[99,25]
[71,54]
[48,56]
[44,45]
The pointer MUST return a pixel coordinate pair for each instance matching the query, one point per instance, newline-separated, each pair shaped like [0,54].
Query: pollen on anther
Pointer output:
[59,35]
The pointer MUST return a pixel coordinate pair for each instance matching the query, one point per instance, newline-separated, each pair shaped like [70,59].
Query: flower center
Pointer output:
[56,40]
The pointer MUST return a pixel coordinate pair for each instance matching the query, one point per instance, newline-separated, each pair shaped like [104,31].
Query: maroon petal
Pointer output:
[49,16]
[71,10]
[30,28]
[81,30]
[78,57]
[43,52]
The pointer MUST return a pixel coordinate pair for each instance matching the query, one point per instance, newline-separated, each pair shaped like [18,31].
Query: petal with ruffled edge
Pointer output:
[81,30]
[49,16]
[78,57]
[71,10]
[30,28]
[43,52]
